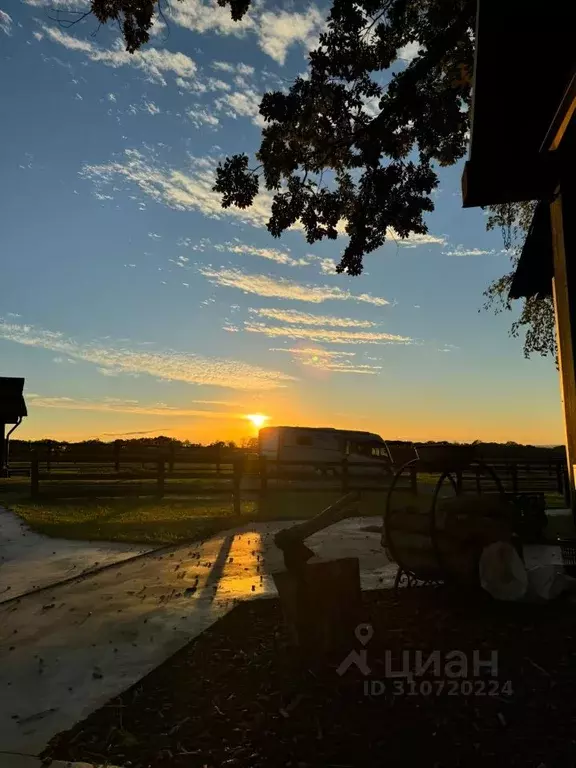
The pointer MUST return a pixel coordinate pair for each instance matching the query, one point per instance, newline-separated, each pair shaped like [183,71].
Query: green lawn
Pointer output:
[137,520]
[152,521]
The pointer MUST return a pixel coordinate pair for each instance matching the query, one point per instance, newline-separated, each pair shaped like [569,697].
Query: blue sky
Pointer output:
[132,303]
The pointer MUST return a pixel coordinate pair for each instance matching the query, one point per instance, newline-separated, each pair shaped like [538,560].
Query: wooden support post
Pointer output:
[478,482]
[218,458]
[237,484]
[566,486]
[414,481]
[345,477]
[161,477]
[559,478]
[263,467]
[514,476]
[34,476]
[459,482]
[563,224]
[171,457]
[117,446]
[3,451]
[49,458]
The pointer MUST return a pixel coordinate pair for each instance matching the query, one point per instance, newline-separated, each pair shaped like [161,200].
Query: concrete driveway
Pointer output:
[68,650]
[29,560]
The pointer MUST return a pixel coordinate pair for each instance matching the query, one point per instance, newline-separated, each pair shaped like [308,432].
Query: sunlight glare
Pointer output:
[257,419]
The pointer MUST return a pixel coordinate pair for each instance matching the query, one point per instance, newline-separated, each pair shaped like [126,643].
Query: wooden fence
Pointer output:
[247,475]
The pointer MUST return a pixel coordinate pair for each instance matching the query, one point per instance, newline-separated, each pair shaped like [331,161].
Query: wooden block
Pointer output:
[322,604]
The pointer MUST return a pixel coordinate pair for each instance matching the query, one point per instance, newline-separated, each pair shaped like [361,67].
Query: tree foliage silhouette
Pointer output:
[536,318]
[343,152]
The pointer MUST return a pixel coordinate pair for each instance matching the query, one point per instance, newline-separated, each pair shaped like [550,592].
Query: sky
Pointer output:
[134,305]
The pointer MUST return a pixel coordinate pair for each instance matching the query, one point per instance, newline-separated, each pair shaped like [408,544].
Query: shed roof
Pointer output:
[535,270]
[524,67]
[12,404]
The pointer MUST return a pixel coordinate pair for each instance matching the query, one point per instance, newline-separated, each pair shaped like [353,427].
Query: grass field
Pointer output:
[151,521]
[148,520]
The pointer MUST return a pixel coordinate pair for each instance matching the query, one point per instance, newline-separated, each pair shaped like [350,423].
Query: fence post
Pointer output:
[478,483]
[559,483]
[161,477]
[345,478]
[459,482]
[567,495]
[218,457]
[514,475]
[117,456]
[171,457]
[49,458]
[414,480]
[237,484]
[34,476]
[263,466]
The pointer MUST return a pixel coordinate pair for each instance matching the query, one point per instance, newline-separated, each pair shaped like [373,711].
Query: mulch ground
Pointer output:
[238,696]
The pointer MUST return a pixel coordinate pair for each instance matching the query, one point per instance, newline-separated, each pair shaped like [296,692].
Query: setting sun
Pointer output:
[258,419]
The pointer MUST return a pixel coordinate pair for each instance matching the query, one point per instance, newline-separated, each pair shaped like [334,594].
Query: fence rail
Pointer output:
[250,475]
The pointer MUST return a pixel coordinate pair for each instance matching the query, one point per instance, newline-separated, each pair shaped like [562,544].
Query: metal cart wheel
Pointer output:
[449,475]
[405,576]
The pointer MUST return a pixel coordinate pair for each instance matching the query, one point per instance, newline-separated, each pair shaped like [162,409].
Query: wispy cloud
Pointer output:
[314,352]
[279,30]
[140,432]
[326,335]
[155,62]
[304,318]
[327,266]
[5,22]
[280,288]
[59,4]
[151,108]
[237,68]
[414,240]
[328,360]
[461,250]
[202,85]
[200,116]
[169,365]
[184,190]
[243,103]
[198,16]
[111,405]
[372,370]
[273,254]
[276,31]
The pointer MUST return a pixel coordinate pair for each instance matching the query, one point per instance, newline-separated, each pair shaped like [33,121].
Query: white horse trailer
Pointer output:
[326,447]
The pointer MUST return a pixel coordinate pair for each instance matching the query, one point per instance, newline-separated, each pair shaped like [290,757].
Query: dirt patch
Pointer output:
[238,696]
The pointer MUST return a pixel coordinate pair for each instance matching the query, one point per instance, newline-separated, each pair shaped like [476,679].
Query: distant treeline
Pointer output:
[22,449]
[509,450]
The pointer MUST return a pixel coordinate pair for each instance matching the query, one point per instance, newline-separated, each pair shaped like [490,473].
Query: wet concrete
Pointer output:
[29,560]
[65,652]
